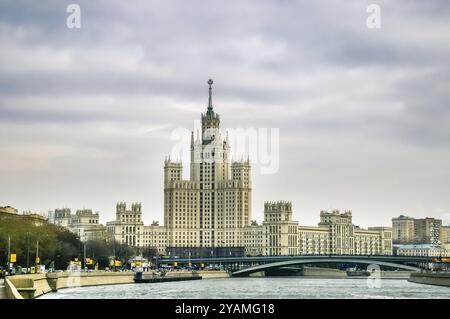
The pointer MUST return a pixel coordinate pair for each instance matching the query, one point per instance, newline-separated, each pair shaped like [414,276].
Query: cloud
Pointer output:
[96,106]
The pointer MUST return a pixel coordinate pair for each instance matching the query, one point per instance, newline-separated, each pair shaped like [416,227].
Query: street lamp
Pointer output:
[114,255]
[37,261]
[28,252]
[189,263]
[156,261]
[84,256]
[9,256]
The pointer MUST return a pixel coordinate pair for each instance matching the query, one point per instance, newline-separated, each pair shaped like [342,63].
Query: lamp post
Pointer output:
[156,262]
[114,253]
[9,255]
[189,264]
[84,256]
[37,259]
[28,252]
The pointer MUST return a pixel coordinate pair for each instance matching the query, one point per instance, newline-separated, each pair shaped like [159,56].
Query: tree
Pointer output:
[56,244]
[149,253]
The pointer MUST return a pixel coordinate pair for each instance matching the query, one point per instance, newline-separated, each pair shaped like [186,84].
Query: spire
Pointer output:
[192,139]
[210,120]
[210,107]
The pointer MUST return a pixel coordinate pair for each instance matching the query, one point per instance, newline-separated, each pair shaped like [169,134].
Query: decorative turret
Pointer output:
[173,171]
[278,206]
[136,207]
[121,207]
[278,211]
[335,217]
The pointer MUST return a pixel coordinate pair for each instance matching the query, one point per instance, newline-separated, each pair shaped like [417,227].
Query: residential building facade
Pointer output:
[128,228]
[403,230]
[281,235]
[155,236]
[84,223]
[279,230]
[421,250]
[445,235]
[427,230]
[62,217]
[408,230]
[82,220]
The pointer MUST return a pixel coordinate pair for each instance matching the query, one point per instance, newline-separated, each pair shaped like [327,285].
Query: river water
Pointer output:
[263,287]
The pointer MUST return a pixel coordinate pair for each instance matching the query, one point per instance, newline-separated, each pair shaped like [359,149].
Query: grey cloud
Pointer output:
[336,90]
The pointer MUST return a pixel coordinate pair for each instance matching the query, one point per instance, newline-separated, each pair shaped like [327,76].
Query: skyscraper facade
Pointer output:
[212,208]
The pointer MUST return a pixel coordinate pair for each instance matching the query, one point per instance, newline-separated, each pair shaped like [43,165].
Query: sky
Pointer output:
[87,115]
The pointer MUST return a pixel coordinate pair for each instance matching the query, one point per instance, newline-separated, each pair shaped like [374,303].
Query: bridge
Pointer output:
[244,266]
[321,260]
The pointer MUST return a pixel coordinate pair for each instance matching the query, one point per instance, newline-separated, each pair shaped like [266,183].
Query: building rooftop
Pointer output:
[416,246]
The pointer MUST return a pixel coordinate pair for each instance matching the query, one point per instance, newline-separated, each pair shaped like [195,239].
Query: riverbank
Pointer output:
[36,285]
[435,279]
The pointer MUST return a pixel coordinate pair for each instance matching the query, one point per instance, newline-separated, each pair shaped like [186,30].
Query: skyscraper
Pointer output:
[210,213]
[212,208]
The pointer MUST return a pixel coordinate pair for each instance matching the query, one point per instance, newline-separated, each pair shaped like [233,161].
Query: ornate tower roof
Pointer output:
[210,107]
[210,119]
[210,115]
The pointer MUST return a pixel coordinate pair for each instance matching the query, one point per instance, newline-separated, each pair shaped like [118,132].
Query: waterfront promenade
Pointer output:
[34,285]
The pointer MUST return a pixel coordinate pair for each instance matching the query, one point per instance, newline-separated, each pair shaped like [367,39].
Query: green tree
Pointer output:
[56,244]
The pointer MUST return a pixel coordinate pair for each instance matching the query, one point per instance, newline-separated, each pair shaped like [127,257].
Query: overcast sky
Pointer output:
[86,115]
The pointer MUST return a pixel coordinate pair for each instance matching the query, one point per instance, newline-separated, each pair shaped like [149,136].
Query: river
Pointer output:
[263,287]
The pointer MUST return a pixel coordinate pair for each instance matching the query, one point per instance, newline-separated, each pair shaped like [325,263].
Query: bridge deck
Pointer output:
[299,261]
[260,263]
[330,258]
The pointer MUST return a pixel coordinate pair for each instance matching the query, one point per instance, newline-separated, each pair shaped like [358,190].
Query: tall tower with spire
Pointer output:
[213,206]
[210,120]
